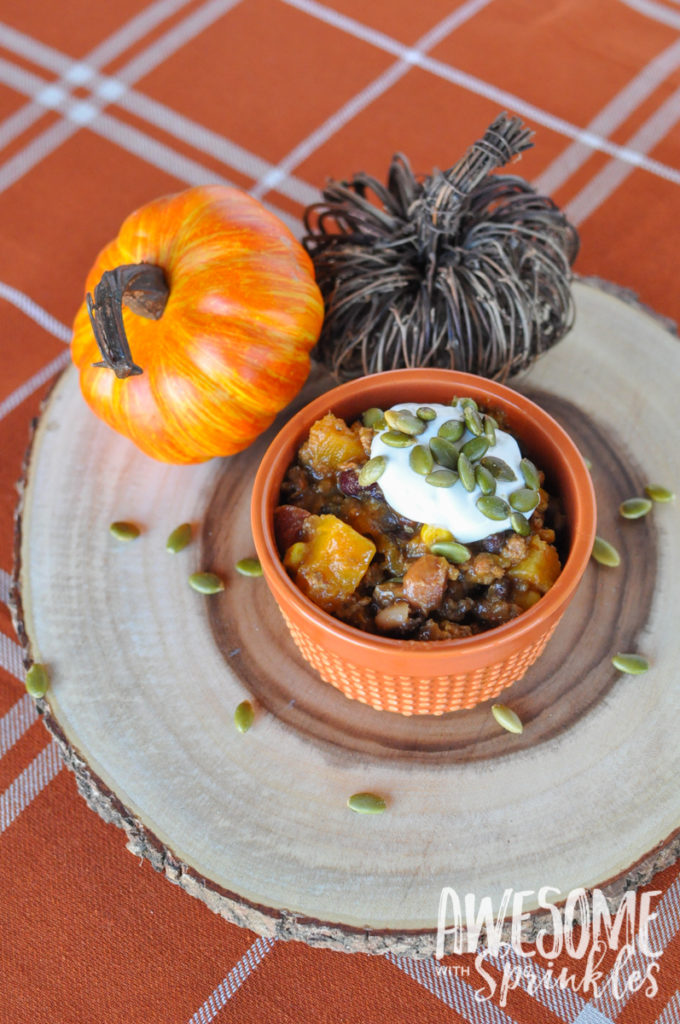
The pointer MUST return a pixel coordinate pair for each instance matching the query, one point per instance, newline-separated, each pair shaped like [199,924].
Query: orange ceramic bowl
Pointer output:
[415,677]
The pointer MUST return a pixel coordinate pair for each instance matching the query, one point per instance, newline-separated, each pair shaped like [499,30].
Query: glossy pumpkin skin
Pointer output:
[231,348]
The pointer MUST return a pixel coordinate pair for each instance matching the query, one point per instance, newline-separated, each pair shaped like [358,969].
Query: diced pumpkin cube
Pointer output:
[329,566]
[539,568]
[330,444]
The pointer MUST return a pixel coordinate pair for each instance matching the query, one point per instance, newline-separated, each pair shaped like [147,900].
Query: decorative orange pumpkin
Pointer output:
[221,312]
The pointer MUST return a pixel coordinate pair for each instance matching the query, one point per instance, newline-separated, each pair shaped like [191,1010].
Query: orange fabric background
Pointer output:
[105,106]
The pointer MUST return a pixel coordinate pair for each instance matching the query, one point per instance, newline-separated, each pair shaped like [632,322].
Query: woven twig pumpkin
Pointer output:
[467,269]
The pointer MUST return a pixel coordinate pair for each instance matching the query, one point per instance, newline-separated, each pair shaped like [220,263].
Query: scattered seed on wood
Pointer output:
[507,718]
[249,567]
[366,803]
[605,553]
[37,680]
[244,716]
[124,531]
[658,493]
[635,508]
[206,583]
[633,664]
[179,539]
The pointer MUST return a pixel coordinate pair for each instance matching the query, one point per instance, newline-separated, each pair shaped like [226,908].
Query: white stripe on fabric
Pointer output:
[16,722]
[233,981]
[34,383]
[614,173]
[563,1002]
[11,657]
[671,1011]
[656,11]
[610,117]
[482,88]
[26,786]
[5,586]
[450,989]
[408,57]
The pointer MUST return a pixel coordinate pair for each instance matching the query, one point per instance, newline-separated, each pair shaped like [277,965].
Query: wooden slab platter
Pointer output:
[146,674]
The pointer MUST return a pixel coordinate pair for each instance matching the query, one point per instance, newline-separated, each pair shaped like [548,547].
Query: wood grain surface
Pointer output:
[146,675]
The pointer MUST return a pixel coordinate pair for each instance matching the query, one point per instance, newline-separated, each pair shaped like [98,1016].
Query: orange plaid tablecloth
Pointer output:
[105,106]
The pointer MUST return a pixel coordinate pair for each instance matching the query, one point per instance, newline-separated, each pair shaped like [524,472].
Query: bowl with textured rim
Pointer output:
[415,676]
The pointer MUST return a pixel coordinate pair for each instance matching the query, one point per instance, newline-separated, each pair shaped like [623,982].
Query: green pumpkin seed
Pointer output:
[397,439]
[441,478]
[633,664]
[524,500]
[421,460]
[37,680]
[473,420]
[605,553]
[374,418]
[587,462]
[249,567]
[469,403]
[445,453]
[124,531]
[531,475]
[486,481]
[404,421]
[366,803]
[490,426]
[500,469]
[451,550]
[519,524]
[475,448]
[179,538]
[454,401]
[658,493]
[372,470]
[244,716]
[426,414]
[206,583]
[507,718]
[635,508]
[466,473]
[452,430]
[493,507]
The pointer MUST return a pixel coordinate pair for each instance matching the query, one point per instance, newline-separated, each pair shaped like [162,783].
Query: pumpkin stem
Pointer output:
[143,288]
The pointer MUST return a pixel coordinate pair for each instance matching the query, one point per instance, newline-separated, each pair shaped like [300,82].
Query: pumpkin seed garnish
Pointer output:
[524,499]
[531,475]
[486,481]
[633,664]
[452,430]
[372,470]
[37,680]
[635,508]
[374,418]
[421,460]
[249,567]
[124,531]
[206,583]
[366,803]
[473,420]
[469,403]
[454,401]
[466,473]
[658,493]
[441,478]
[507,718]
[179,538]
[426,414]
[605,553]
[493,507]
[475,448]
[490,426]
[397,439]
[244,716]
[519,524]
[444,452]
[500,469]
[404,421]
[451,550]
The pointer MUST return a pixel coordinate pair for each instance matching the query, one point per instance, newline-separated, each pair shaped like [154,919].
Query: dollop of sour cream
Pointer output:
[452,508]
